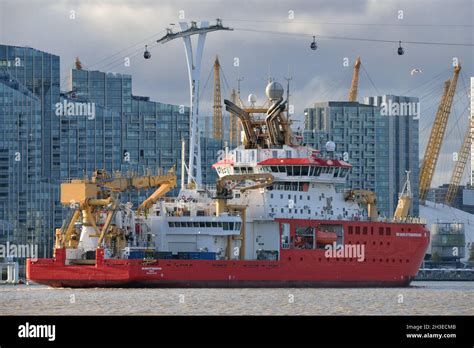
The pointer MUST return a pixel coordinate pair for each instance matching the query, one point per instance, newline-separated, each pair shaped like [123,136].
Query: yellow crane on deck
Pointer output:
[87,196]
[433,148]
[405,200]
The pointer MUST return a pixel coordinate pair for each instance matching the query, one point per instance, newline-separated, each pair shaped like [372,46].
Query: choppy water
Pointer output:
[421,298]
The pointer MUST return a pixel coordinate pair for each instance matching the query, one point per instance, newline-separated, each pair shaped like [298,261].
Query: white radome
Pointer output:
[274,90]
[330,146]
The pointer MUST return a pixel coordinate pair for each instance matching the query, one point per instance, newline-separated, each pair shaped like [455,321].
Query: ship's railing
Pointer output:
[410,220]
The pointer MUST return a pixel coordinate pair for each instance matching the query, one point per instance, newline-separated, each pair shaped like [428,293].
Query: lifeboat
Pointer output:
[326,237]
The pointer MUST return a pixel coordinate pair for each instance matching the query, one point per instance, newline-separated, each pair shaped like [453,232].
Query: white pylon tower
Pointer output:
[194,71]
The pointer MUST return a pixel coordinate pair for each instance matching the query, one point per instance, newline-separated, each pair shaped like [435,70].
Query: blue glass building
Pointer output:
[379,148]
[30,147]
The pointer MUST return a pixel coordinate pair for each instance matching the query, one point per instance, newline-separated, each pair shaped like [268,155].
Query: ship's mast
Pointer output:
[194,71]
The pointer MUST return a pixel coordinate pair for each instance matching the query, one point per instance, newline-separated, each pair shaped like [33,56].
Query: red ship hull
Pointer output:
[389,261]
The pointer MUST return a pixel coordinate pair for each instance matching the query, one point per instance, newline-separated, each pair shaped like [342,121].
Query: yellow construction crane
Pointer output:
[86,196]
[405,199]
[366,197]
[460,164]
[355,81]
[217,124]
[433,148]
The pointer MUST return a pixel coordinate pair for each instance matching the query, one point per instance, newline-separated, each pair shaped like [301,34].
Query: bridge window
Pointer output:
[317,172]
[226,226]
[304,170]
[289,170]
[297,170]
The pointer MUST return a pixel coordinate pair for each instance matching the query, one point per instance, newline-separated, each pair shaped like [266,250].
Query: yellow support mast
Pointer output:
[460,165]
[217,119]
[355,81]
[433,148]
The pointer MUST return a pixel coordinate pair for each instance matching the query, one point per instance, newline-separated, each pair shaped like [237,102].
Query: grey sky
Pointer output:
[102,28]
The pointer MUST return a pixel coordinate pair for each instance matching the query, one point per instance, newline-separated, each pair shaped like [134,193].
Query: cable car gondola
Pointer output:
[400,50]
[146,54]
[314,45]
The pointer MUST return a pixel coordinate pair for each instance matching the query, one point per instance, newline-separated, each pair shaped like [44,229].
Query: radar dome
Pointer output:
[330,146]
[252,98]
[274,90]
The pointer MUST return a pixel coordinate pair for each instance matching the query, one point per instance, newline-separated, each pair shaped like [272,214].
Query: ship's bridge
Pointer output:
[288,163]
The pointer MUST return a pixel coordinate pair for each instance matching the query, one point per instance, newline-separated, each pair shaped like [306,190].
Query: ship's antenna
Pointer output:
[288,79]
[239,79]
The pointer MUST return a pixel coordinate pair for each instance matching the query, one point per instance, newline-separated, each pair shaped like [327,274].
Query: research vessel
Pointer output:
[278,216]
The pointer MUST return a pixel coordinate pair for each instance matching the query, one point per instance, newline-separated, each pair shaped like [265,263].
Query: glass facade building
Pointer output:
[38,71]
[379,148]
[89,140]
[30,147]
[26,199]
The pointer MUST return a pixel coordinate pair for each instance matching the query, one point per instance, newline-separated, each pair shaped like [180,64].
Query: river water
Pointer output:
[421,298]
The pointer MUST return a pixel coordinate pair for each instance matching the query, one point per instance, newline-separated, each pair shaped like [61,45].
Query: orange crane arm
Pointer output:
[460,166]
[355,81]
[433,148]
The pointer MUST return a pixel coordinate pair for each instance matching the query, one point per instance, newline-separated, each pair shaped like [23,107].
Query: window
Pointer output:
[304,238]
[380,231]
[350,230]
[357,229]
[297,170]
[364,230]
[388,231]
[285,236]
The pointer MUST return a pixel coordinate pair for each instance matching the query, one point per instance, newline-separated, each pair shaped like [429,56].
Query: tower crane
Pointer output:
[217,119]
[460,165]
[433,148]
[355,81]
